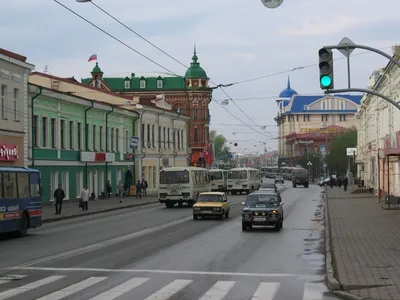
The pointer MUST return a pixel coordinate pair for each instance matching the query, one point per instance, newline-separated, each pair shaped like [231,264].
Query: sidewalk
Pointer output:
[71,210]
[365,244]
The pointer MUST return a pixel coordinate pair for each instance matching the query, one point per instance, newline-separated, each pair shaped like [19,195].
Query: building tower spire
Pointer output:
[288,82]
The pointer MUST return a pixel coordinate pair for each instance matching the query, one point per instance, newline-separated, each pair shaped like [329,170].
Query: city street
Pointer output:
[151,252]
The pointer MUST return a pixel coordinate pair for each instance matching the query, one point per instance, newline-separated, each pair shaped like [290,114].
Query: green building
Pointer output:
[77,140]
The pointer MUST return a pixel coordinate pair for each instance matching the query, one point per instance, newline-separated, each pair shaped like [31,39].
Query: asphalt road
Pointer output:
[154,253]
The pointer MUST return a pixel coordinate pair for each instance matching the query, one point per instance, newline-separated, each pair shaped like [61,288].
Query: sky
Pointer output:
[237,41]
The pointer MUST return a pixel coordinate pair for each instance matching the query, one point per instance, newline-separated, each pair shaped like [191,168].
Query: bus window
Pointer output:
[10,185]
[23,185]
[35,184]
[174,177]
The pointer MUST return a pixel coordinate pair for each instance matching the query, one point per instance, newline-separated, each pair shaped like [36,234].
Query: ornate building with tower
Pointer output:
[308,123]
[188,95]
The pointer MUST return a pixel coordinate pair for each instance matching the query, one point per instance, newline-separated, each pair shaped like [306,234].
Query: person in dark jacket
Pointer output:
[340,182]
[139,188]
[331,181]
[59,196]
[345,183]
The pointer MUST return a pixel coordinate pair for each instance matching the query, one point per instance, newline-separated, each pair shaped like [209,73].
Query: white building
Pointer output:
[379,132]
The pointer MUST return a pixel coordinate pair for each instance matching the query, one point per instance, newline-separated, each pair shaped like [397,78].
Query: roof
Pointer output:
[243,169]
[195,71]
[288,92]
[213,193]
[17,169]
[185,168]
[13,55]
[298,102]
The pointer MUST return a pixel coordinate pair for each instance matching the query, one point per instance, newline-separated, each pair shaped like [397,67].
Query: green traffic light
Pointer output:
[326,81]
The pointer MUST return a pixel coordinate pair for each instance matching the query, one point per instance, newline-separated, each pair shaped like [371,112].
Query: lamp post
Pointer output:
[309,164]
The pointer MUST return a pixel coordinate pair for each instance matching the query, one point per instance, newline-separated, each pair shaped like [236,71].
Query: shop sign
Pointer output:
[310,130]
[97,157]
[307,142]
[8,152]
[128,156]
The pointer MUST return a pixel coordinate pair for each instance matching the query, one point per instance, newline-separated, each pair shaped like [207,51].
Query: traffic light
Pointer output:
[326,69]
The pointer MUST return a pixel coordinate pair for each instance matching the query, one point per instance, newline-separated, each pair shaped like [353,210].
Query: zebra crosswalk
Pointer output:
[57,287]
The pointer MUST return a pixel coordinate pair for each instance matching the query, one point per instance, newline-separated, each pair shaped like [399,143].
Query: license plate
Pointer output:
[207,212]
[260,219]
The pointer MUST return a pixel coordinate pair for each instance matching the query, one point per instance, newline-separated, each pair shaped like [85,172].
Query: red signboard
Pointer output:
[8,152]
[100,156]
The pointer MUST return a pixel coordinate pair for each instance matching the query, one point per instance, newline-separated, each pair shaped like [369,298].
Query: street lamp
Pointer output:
[309,164]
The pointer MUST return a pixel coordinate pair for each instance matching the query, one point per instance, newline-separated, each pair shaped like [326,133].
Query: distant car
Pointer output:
[279,179]
[262,208]
[211,204]
[268,185]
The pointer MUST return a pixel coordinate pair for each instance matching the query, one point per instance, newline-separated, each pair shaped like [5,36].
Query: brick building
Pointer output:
[189,95]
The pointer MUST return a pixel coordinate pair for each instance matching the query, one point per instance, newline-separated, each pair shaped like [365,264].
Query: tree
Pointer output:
[220,144]
[337,158]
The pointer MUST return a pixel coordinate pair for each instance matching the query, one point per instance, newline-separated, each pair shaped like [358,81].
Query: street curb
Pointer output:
[347,296]
[51,220]
[332,283]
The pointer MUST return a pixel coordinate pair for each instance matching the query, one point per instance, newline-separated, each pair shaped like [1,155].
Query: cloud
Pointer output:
[235,40]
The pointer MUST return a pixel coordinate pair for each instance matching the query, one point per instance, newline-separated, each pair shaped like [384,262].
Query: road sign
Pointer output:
[346,41]
[325,165]
[350,151]
[272,3]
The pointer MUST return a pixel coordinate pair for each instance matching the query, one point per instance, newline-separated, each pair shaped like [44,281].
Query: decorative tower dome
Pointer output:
[288,92]
[195,71]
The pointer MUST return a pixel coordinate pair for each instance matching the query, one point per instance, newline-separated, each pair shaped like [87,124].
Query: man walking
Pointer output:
[121,190]
[345,183]
[144,187]
[85,197]
[59,196]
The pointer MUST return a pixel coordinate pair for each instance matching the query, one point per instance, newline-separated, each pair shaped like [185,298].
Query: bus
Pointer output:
[243,180]
[20,200]
[182,185]
[218,179]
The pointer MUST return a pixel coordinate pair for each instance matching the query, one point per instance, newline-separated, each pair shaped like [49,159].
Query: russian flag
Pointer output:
[92,57]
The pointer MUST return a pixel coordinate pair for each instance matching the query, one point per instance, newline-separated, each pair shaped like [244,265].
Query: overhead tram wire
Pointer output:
[144,56]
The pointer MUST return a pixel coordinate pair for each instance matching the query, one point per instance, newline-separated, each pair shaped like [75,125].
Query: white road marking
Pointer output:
[162,272]
[121,289]
[169,290]
[218,291]
[105,243]
[10,277]
[314,291]
[266,291]
[28,287]
[72,289]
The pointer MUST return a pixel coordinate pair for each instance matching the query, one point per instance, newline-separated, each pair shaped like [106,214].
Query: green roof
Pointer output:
[176,83]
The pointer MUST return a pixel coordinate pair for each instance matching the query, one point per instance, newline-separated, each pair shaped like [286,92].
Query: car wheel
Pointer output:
[24,225]
[277,226]
[195,217]
[244,227]
[227,214]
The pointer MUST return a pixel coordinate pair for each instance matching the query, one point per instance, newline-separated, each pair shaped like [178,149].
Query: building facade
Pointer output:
[163,139]
[188,95]
[307,124]
[378,148]
[14,72]
[79,136]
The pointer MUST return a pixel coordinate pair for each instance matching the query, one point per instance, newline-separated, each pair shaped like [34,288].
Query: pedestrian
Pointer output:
[109,188]
[331,181]
[345,183]
[144,187]
[339,182]
[85,197]
[121,190]
[59,196]
[139,190]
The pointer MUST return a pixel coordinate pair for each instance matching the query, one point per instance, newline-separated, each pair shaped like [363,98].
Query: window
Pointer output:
[127,84]
[142,135]
[34,184]
[153,144]
[164,138]
[53,132]
[3,101]
[127,141]
[341,105]
[159,137]
[173,139]
[182,140]
[179,139]
[87,139]
[159,84]
[169,141]
[195,113]
[196,135]
[148,143]
[23,185]
[204,134]
[16,96]
[112,140]
[62,134]
[117,139]
[324,117]
[323,105]
[142,84]
[305,118]
[94,137]
[71,135]
[101,138]
[205,112]
[34,132]
[10,185]
[44,132]
[79,136]
[343,118]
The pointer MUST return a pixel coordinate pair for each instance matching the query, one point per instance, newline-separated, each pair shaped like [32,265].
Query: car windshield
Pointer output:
[216,175]
[262,201]
[267,185]
[210,198]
